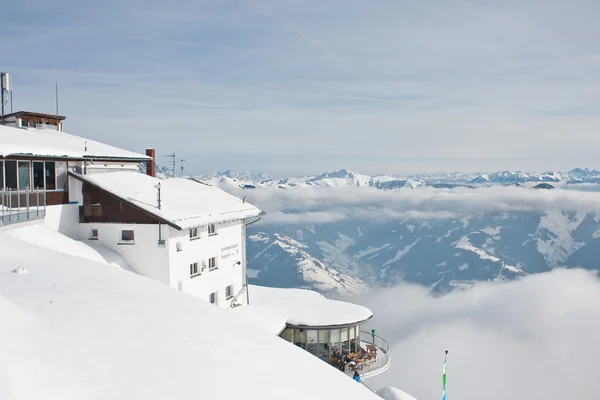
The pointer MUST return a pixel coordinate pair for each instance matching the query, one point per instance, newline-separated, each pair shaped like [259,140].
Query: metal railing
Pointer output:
[374,366]
[21,205]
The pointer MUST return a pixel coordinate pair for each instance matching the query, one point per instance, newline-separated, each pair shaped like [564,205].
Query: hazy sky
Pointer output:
[291,87]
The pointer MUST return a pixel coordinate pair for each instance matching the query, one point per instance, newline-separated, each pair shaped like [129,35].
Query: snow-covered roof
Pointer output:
[302,307]
[75,329]
[184,203]
[52,143]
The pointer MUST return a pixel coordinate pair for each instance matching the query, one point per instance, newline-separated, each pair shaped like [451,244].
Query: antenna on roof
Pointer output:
[56,91]
[172,156]
[4,89]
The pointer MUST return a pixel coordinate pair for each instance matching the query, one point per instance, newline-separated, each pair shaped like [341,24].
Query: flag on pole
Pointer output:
[444,377]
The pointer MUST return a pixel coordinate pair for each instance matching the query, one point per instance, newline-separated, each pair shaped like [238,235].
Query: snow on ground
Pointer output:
[184,202]
[465,244]
[370,250]
[402,253]
[71,330]
[391,393]
[306,307]
[41,235]
[554,236]
[492,231]
[318,273]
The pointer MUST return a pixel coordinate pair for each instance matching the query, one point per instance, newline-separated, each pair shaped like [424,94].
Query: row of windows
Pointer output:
[24,175]
[195,232]
[213,298]
[126,235]
[194,271]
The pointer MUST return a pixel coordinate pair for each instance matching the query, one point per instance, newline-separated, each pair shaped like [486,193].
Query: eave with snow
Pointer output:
[38,160]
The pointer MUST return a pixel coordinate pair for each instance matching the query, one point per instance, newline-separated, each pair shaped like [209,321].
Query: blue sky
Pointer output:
[293,87]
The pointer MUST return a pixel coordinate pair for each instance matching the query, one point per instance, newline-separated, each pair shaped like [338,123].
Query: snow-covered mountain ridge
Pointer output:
[442,254]
[345,177]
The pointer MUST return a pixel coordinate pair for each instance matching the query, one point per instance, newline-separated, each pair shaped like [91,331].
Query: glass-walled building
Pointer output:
[323,342]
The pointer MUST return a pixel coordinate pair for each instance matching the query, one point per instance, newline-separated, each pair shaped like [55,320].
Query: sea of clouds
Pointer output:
[325,205]
[535,338]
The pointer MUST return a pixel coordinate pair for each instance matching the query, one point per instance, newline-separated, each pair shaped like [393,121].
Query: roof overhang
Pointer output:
[30,114]
[319,327]
[84,158]
[81,178]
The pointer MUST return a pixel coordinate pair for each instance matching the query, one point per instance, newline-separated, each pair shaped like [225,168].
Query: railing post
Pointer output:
[9,205]
[18,204]
[27,202]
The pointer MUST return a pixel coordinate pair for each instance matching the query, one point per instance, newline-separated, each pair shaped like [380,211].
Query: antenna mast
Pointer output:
[4,89]
[172,157]
[56,91]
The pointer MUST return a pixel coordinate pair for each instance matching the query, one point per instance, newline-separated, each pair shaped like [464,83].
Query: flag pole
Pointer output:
[444,376]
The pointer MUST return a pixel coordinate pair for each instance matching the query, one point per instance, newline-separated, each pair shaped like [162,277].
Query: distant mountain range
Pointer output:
[345,177]
[442,254]
[350,255]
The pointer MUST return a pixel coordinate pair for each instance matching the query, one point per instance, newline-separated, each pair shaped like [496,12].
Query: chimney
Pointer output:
[151,165]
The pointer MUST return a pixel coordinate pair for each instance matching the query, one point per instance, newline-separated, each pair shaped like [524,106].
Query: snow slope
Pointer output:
[315,273]
[392,393]
[71,330]
[41,235]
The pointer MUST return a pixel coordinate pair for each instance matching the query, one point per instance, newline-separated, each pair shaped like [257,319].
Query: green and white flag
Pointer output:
[444,377]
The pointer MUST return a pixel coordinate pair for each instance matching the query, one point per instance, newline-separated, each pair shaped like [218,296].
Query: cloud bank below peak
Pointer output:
[323,205]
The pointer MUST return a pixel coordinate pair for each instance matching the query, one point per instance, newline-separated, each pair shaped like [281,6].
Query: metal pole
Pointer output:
[27,202]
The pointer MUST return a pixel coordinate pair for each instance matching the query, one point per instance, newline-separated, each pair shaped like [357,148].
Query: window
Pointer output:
[127,236]
[178,247]
[61,175]
[38,175]
[212,299]
[212,263]
[50,172]
[24,180]
[194,269]
[93,234]
[212,230]
[194,234]
[10,168]
[229,292]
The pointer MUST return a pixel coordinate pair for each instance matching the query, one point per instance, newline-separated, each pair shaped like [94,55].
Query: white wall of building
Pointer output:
[167,264]
[64,218]
[75,190]
[93,167]
[144,255]
[225,245]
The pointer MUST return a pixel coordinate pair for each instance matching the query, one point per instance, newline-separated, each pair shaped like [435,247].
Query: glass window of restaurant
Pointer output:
[323,343]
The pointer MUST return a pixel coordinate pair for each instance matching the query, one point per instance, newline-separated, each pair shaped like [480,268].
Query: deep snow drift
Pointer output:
[77,329]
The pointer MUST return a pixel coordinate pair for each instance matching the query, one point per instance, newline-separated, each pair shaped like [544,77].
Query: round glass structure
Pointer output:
[323,342]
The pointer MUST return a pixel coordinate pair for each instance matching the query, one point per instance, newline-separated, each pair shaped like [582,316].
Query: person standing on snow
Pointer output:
[356,376]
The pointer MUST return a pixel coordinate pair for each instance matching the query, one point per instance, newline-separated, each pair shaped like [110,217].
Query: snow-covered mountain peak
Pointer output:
[342,177]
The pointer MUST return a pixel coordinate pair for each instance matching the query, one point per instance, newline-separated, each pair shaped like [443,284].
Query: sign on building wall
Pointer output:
[230,251]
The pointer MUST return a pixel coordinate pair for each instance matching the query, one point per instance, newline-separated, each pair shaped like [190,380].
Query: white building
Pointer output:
[183,233]
[194,240]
